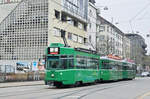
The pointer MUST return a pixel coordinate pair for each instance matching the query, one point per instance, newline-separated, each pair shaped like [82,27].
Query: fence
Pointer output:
[30,76]
[7,74]
[13,71]
[7,69]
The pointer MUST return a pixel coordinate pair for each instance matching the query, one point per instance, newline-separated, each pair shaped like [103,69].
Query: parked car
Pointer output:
[145,74]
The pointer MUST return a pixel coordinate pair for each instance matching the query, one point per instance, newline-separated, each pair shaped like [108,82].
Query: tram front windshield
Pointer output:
[61,62]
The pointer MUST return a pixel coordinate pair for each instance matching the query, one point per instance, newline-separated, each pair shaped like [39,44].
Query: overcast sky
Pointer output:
[122,11]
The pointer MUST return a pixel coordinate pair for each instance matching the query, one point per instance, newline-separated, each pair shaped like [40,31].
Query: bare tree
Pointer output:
[105,46]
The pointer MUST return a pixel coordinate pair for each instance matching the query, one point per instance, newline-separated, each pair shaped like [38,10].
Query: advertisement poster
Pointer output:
[22,66]
[38,65]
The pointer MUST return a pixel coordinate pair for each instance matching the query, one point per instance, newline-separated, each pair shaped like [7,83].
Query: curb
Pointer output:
[21,85]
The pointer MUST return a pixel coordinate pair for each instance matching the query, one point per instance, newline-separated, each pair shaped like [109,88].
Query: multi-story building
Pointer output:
[146,66]
[126,47]
[109,38]
[70,16]
[92,18]
[137,50]
[34,24]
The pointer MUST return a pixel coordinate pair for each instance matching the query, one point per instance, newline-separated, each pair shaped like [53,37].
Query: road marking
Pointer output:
[144,95]
[74,96]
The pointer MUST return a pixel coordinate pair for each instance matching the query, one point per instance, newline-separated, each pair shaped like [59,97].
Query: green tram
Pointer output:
[116,69]
[74,66]
[129,69]
[70,66]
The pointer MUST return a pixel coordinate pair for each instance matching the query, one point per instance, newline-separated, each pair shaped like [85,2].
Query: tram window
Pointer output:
[111,65]
[81,62]
[119,65]
[127,67]
[89,63]
[63,63]
[108,65]
[63,56]
[71,63]
[53,64]
[95,64]
[92,63]
[84,62]
[104,65]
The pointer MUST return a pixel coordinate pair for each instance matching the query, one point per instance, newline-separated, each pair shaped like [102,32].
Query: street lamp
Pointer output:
[101,8]
[104,7]
[148,35]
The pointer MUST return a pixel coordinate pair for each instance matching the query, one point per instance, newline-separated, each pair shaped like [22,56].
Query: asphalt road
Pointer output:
[138,88]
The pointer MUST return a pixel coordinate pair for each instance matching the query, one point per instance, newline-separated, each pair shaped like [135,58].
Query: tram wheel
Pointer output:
[77,84]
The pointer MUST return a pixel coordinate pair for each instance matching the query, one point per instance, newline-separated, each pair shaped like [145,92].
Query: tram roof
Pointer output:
[111,59]
[106,58]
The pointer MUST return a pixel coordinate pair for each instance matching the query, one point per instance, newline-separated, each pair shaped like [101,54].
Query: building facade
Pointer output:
[34,24]
[109,38]
[92,18]
[137,50]
[24,32]
[70,16]
[146,66]
[126,48]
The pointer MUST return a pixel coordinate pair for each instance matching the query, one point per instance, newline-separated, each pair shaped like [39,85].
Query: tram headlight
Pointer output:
[61,73]
[52,75]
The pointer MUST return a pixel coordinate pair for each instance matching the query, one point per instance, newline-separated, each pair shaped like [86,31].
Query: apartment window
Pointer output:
[111,30]
[90,13]
[63,17]
[56,32]
[107,28]
[102,29]
[90,25]
[75,37]
[76,23]
[90,38]
[80,39]
[85,27]
[80,25]
[101,38]
[85,40]
[70,36]
[57,14]
[69,20]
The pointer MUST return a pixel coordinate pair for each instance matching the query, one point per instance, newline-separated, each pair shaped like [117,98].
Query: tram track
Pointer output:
[53,92]
[16,93]
[75,93]
[90,90]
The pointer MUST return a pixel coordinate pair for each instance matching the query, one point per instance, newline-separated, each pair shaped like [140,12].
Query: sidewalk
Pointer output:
[18,84]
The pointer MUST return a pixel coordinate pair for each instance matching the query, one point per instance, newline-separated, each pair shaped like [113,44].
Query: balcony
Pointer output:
[75,10]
